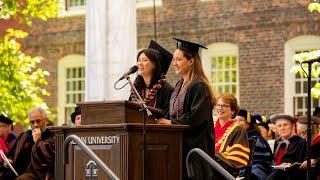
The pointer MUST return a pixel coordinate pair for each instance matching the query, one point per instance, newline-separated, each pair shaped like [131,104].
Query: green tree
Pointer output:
[315,6]
[301,57]
[21,81]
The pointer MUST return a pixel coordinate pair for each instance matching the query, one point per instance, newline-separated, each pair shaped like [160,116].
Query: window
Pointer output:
[221,66]
[71,79]
[72,7]
[74,4]
[295,94]
[148,3]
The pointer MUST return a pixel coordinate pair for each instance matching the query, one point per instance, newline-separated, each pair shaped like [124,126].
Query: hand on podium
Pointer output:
[163,121]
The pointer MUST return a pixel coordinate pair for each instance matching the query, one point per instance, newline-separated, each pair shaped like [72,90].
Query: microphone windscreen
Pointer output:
[133,69]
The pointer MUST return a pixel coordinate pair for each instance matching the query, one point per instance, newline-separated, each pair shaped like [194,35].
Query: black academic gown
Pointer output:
[315,154]
[296,152]
[42,159]
[163,96]
[197,110]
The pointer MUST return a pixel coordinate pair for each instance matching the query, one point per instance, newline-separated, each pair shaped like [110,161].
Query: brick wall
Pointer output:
[53,40]
[260,28]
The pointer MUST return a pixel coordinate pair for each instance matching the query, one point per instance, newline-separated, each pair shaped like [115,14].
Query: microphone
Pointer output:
[132,70]
[310,61]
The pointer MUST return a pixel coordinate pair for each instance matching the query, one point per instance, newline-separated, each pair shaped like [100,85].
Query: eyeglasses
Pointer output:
[35,121]
[223,105]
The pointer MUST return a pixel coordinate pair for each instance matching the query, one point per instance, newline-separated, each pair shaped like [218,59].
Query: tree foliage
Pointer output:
[305,56]
[315,6]
[21,81]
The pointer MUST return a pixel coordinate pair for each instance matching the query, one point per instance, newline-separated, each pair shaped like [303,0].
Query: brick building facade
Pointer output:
[261,32]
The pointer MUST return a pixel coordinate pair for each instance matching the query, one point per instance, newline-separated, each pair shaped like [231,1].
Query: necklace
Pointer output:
[149,96]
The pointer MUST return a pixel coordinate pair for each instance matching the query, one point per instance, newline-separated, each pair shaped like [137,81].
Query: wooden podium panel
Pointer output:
[120,147]
[113,112]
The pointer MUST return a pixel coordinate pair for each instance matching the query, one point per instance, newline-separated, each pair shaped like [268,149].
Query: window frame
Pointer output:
[220,49]
[299,43]
[80,10]
[69,61]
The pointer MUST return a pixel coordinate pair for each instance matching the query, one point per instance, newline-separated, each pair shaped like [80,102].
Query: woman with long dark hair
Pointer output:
[191,103]
[151,84]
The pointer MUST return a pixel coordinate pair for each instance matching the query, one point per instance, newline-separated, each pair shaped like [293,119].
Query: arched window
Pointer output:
[220,63]
[71,76]
[295,95]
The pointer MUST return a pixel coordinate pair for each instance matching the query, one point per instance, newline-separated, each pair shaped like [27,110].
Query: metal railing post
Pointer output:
[213,164]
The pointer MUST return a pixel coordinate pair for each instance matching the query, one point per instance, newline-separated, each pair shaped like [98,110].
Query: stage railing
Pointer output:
[87,150]
[217,167]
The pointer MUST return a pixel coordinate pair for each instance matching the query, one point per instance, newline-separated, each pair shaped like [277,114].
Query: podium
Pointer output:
[113,130]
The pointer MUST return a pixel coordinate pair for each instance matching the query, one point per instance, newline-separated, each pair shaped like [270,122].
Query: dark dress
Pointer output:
[194,108]
[295,152]
[160,101]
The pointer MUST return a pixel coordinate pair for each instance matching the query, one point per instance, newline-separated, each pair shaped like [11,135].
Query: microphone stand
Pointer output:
[145,110]
[309,123]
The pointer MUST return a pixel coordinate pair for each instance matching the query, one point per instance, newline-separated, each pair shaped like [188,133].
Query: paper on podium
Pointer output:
[6,161]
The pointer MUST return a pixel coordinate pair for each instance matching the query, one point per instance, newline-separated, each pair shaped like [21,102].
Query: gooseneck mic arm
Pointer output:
[142,103]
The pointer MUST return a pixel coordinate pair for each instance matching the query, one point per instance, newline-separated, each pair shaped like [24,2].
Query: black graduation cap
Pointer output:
[165,56]
[260,120]
[76,112]
[244,113]
[5,119]
[189,46]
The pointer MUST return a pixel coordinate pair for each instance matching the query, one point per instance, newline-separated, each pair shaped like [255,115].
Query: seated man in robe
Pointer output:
[32,155]
[289,149]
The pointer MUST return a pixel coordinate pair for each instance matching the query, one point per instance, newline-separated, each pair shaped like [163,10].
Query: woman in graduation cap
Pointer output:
[153,63]
[191,103]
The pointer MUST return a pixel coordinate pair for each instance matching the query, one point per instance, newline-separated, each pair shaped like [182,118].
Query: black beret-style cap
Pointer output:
[260,120]
[76,112]
[5,120]
[189,46]
[275,117]
[244,113]
[165,56]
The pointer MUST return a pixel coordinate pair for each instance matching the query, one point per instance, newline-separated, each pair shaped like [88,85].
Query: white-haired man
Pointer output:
[33,155]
